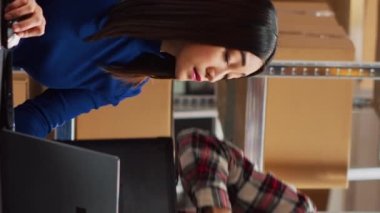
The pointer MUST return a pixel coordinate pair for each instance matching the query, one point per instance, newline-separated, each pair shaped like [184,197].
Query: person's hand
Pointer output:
[28,18]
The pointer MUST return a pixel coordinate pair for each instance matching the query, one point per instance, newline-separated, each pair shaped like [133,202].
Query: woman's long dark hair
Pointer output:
[248,25]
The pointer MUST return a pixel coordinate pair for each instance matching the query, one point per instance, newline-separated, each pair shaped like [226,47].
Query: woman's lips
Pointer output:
[193,76]
[196,76]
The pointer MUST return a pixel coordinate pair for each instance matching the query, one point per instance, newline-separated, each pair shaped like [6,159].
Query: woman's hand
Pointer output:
[28,17]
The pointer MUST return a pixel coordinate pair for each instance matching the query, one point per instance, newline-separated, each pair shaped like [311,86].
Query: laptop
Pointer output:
[147,172]
[97,176]
[42,176]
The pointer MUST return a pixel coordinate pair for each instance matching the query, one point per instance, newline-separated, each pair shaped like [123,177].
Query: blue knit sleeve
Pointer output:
[52,108]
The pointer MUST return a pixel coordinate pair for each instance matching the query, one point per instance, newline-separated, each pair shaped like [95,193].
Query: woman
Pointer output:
[219,179]
[194,40]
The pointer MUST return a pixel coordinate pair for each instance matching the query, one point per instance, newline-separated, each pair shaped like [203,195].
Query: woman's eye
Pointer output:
[227,57]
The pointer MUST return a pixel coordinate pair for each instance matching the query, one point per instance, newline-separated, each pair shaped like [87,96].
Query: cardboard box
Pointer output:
[308,121]
[310,30]
[24,87]
[304,47]
[304,7]
[297,20]
[20,87]
[308,131]
[305,13]
[146,115]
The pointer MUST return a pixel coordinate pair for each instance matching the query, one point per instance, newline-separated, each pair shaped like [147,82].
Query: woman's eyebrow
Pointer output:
[243,57]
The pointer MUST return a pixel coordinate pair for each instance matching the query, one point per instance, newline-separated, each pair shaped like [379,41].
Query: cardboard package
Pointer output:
[314,47]
[146,115]
[308,121]
[309,7]
[21,87]
[334,31]
[299,13]
[309,31]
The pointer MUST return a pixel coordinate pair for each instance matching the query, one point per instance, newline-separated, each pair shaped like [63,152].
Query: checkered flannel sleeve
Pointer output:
[216,174]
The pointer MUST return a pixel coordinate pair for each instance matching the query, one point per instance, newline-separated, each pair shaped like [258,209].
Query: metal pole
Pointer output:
[255,121]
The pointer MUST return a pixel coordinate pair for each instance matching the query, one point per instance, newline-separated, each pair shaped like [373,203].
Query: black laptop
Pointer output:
[102,176]
[42,176]
[147,172]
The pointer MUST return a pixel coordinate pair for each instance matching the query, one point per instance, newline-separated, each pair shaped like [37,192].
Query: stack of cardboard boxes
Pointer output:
[308,121]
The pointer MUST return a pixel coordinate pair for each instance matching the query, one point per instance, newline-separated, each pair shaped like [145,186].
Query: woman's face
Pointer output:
[199,62]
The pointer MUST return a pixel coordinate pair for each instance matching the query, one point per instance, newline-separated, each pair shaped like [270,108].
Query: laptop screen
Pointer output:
[45,176]
[147,173]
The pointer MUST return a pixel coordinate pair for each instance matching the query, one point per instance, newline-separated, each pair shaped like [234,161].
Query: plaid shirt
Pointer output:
[216,174]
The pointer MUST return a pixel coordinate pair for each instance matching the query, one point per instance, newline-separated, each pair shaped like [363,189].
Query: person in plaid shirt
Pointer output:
[219,179]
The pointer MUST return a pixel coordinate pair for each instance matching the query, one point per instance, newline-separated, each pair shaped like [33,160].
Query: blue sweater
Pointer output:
[69,66]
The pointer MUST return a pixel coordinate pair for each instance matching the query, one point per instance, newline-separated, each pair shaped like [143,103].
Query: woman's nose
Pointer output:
[212,73]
